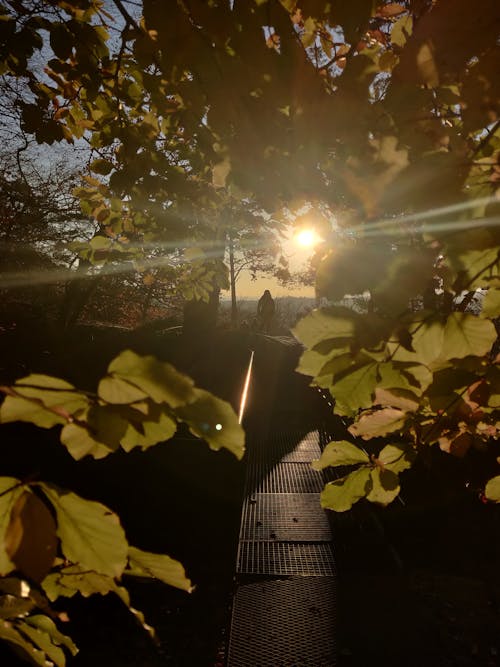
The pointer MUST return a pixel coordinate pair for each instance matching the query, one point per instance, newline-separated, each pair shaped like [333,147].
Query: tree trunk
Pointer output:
[76,296]
[200,317]
[232,281]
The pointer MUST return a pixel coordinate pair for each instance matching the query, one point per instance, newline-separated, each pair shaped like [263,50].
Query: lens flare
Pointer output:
[307,238]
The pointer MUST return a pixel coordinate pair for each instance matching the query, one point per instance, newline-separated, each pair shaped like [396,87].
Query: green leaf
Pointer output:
[384,486]
[97,433]
[220,173]
[12,607]
[47,625]
[15,408]
[491,303]
[10,634]
[90,533]
[396,398]
[61,40]
[156,427]
[312,362]
[114,389]
[77,579]
[157,379]
[397,457]
[158,566]
[42,400]
[100,166]
[10,491]
[427,340]
[79,442]
[492,489]
[376,423]
[474,256]
[387,61]
[355,390]
[401,30]
[215,421]
[40,633]
[99,243]
[467,335]
[30,539]
[341,494]
[342,453]
[394,377]
[419,375]
[327,324]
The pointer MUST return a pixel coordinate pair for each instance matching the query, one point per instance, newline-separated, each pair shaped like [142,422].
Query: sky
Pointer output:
[246,288]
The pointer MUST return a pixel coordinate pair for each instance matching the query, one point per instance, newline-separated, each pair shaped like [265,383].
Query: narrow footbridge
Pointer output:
[284,609]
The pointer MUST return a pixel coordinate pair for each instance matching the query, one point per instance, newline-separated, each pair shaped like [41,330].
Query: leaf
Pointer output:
[42,400]
[326,324]
[101,166]
[396,399]
[311,362]
[342,453]
[373,424]
[387,61]
[385,486]
[47,625]
[426,65]
[156,427]
[10,634]
[474,255]
[30,539]
[12,606]
[401,30]
[390,10]
[157,379]
[61,40]
[427,340]
[220,173]
[455,442]
[491,303]
[10,491]
[90,533]
[77,579]
[100,243]
[100,430]
[466,335]
[397,457]
[15,408]
[118,391]
[492,489]
[215,421]
[79,442]
[355,390]
[158,566]
[42,634]
[341,494]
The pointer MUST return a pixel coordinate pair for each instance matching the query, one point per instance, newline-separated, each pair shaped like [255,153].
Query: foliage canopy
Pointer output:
[385,113]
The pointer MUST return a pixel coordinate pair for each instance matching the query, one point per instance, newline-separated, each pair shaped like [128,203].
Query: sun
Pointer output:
[307,238]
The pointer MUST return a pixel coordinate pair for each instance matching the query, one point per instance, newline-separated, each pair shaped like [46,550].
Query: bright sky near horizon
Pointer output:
[297,255]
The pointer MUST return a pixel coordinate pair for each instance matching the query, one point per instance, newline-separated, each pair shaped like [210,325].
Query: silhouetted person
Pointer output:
[265,312]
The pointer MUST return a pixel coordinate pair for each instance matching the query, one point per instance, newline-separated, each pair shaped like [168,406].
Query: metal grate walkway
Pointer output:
[284,607]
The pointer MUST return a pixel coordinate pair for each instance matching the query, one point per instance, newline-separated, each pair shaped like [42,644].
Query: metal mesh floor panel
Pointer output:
[287,447]
[286,517]
[284,478]
[285,558]
[284,624]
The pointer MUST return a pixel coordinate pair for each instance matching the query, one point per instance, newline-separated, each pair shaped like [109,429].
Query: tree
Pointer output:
[55,543]
[387,114]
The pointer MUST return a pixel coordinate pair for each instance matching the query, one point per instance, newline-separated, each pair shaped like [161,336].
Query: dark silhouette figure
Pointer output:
[265,312]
